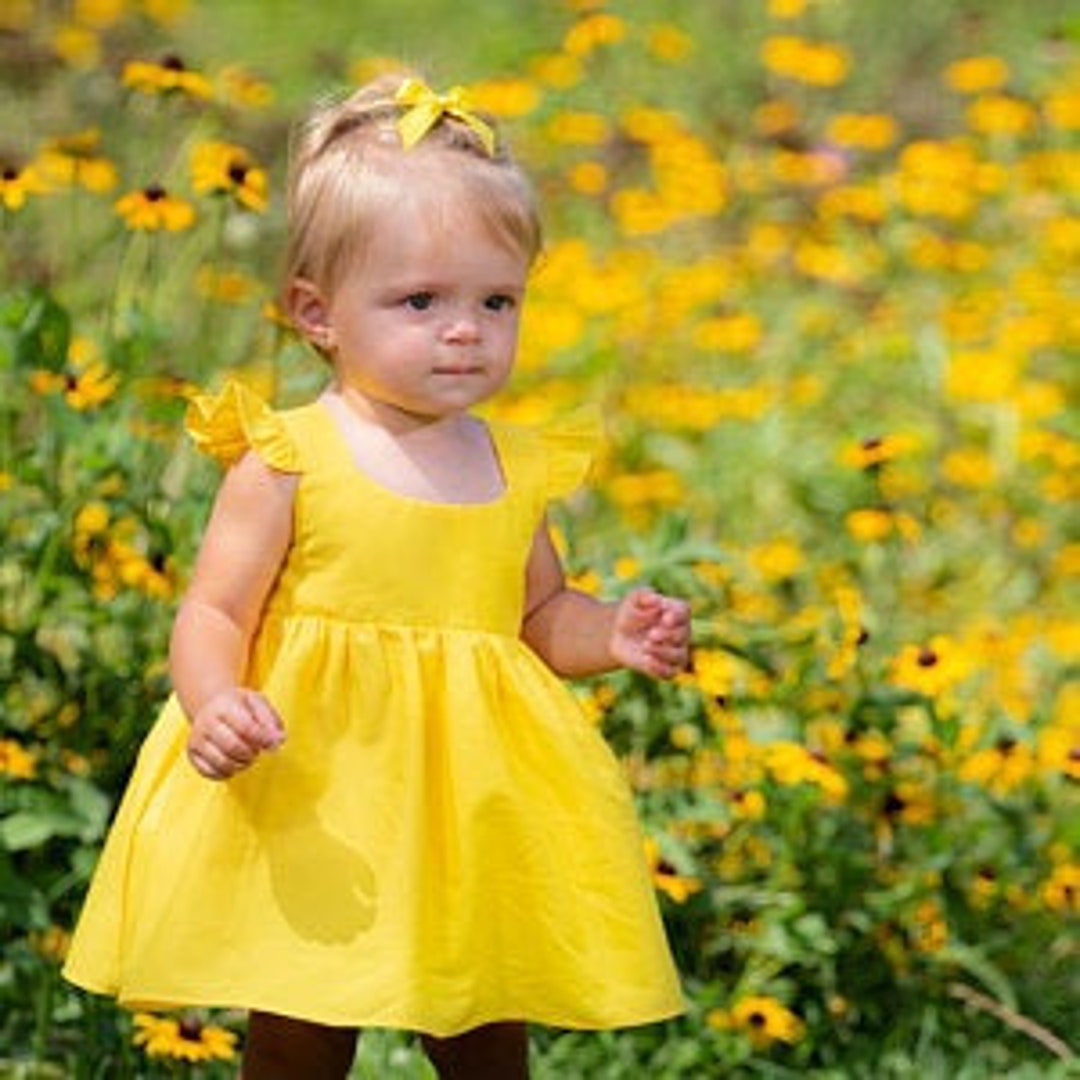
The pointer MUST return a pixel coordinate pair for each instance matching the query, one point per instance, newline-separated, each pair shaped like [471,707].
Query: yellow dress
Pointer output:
[444,839]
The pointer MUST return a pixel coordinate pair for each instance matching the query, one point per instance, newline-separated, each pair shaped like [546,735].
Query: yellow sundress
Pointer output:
[444,839]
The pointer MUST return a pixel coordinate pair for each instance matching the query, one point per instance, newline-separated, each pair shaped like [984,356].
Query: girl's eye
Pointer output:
[420,301]
[499,302]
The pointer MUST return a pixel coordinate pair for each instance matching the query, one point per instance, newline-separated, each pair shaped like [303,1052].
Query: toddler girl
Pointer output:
[371,801]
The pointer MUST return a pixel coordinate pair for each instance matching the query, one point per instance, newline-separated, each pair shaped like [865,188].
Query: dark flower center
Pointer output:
[893,805]
[664,867]
[10,173]
[864,636]
[154,193]
[172,62]
[927,657]
[1005,745]
[190,1029]
[1074,754]
[757,1019]
[873,443]
[238,172]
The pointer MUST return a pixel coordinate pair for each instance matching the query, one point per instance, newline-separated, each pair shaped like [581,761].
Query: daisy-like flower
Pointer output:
[153,209]
[16,761]
[183,1040]
[168,75]
[17,183]
[666,878]
[875,450]
[86,381]
[220,168]
[930,669]
[75,161]
[1001,767]
[764,1019]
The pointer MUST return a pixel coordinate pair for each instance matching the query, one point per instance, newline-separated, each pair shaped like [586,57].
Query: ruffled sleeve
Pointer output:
[570,446]
[227,424]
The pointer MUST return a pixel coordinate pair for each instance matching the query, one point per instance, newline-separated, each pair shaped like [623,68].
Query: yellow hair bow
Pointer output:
[426,109]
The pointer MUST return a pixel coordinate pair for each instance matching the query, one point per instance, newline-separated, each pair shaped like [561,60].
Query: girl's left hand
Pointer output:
[651,633]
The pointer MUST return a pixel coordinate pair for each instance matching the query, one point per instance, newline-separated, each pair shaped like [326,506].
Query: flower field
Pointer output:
[817,261]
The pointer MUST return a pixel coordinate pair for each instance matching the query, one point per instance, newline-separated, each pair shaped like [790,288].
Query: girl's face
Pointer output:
[427,323]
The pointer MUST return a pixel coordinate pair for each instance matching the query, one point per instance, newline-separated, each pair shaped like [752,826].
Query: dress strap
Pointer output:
[228,424]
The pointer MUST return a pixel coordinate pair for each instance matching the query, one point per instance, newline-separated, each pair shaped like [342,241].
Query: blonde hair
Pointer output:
[348,165]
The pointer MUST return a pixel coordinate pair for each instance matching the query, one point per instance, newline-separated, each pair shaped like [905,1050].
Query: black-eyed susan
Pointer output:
[932,668]
[165,76]
[1061,890]
[221,168]
[187,1039]
[764,1020]
[976,74]
[1000,768]
[152,209]
[242,87]
[17,184]
[791,764]
[85,382]
[76,161]
[666,877]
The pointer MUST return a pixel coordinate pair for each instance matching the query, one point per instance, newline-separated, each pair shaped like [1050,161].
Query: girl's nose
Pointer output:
[462,330]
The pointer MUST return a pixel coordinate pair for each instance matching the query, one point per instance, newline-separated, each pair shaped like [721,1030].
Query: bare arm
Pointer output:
[576,634]
[246,539]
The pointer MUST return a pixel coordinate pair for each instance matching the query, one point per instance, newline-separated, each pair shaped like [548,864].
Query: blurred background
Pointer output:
[816,261]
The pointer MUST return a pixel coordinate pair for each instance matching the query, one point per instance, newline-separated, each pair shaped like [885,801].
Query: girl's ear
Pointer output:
[310,313]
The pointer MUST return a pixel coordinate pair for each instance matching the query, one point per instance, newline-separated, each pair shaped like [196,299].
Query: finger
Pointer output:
[271,728]
[243,723]
[237,749]
[209,763]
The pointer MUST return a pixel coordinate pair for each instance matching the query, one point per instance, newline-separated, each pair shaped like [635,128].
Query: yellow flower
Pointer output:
[813,63]
[578,128]
[970,468]
[557,70]
[778,560]
[153,209]
[666,878]
[747,805]
[1061,891]
[17,183]
[225,286]
[870,524]
[1062,109]
[977,74]
[166,12]
[77,46]
[773,118]
[1001,767]
[183,1040]
[589,178]
[74,160]
[791,764]
[168,75]
[997,114]
[738,333]
[876,450]
[786,9]
[983,375]
[220,168]
[862,131]
[930,933]
[593,31]
[763,1019]
[15,761]
[239,86]
[930,669]
[98,14]
[506,98]
[668,42]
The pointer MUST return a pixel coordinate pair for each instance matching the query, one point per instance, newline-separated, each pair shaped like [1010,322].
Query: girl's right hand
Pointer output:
[230,730]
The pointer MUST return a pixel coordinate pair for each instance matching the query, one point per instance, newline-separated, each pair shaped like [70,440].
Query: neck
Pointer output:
[392,418]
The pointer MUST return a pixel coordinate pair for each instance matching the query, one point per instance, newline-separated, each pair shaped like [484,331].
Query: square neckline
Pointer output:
[498,452]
